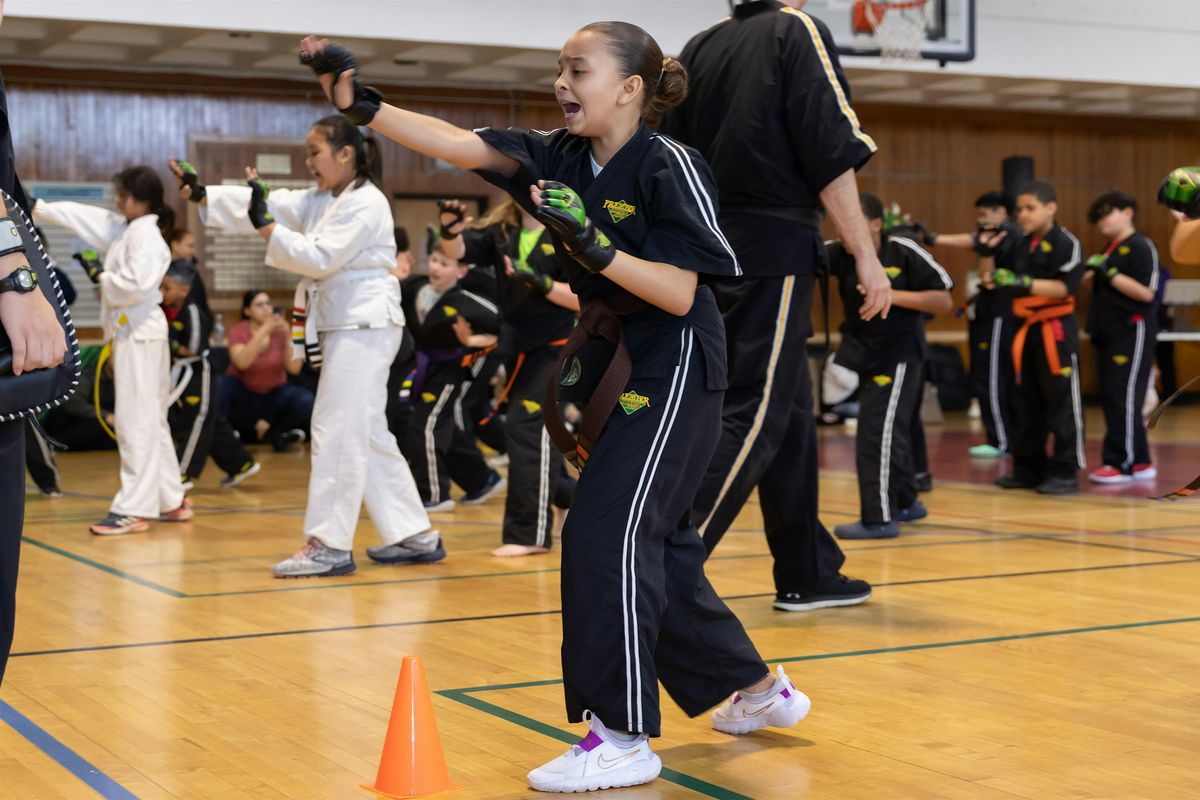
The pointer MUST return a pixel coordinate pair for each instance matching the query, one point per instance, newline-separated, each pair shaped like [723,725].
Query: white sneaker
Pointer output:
[596,763]
[783,708]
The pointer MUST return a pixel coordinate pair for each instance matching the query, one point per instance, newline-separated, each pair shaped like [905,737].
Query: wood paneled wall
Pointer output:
[934,162]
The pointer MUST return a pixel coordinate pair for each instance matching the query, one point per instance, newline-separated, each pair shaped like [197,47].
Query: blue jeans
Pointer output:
[285,407]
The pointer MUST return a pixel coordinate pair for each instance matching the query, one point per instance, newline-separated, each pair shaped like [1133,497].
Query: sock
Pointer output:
[622,739]
[758,697]
[422,542]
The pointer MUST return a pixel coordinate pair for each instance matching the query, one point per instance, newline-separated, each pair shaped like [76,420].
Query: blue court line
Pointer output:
[67,758]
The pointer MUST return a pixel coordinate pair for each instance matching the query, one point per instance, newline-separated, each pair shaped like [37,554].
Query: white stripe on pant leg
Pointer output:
[885,445]
[649,469]
[194,437]
[543,524]
[1077,408]
[458,403]
[781,323]
[994,385]
[435,487]
[1130,391]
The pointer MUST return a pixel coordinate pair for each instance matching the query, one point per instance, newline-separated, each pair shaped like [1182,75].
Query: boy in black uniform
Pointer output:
[784,146]
[888,356]
[989,328]
[1040,274]
[538,310]
[1122,323]
[197,424]
[444,319]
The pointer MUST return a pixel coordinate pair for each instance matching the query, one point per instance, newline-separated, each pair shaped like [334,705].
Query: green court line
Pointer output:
[904,648]
[105,568]
[672,776]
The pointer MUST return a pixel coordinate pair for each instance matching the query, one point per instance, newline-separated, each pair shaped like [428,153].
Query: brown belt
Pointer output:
[598,319]
[1039,309]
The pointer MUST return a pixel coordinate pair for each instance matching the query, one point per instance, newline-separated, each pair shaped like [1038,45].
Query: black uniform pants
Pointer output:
[200,429]
[1124,360]
[12,501]
[768,434]
[637,607]
[883,444]
[475,406]
[916,428]
[39,458]
[990,336]
[438,451]
[1049,405]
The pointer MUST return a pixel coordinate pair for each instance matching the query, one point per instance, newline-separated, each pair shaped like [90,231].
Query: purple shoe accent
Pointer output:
[785,694]
[737,698]
[590,742]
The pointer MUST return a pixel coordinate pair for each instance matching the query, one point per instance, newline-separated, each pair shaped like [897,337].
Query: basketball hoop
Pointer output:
[900,26]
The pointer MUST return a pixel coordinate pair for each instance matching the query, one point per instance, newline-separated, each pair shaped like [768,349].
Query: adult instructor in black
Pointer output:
[769,109]
[37,341]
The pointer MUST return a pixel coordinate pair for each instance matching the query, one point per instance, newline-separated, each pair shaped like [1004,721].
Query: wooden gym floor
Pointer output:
[1016,646]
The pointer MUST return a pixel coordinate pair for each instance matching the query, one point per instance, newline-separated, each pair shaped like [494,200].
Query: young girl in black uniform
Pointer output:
[634,216]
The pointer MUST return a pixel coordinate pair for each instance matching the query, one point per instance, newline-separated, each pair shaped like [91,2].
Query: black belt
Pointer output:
[806,216]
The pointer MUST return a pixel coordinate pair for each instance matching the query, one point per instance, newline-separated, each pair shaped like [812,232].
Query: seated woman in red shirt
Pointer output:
[256,385]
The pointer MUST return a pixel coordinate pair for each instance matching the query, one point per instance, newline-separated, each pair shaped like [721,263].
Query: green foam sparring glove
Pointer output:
[1012,282]
[90,261]
[539,282]
[191,179]
[1098,264]
[334,60]
[1180,191]
[561,210]
[260,217]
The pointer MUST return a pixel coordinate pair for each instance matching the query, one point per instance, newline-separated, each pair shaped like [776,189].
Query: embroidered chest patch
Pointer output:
[619,209]
[892,272]
[631,401]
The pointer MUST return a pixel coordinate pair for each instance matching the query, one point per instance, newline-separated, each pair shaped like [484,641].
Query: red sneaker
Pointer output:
[181,514]
[1111,475]
[1144,472]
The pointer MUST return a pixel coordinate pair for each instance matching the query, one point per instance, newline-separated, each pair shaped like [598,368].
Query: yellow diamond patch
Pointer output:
[1120,360]
[1066,372]
[619,209]
[1046,246]
[882,380]
[547,249]
[177,324]
[1123,249]
[892,272]
[192,400]
[428,397]
[531,407]
[631,401]
[450,311]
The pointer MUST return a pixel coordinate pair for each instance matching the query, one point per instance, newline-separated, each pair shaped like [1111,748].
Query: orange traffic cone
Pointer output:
[412,763]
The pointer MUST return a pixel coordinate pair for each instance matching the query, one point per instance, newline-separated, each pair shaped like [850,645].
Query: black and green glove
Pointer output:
[1180,191]
[539,282]
[1098,264]
[334,60]
[451,217]
[561,210]
[191,179]
[90,261]
[260,217]
[1011,282]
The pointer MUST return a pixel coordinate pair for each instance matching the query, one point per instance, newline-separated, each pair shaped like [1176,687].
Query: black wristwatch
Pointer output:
[21,280]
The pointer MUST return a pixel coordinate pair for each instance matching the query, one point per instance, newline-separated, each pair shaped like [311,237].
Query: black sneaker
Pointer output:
[1061,485]
[924,482]
[828,593]
[494,484]
[424,548]
[1012,481]
[284,441]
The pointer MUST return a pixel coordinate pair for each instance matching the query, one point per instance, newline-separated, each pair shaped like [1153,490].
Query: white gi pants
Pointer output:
[355,458]
[150,483]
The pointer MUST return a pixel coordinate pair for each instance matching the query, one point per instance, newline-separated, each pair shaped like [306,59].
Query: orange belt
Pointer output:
[513,379]
[1039,309]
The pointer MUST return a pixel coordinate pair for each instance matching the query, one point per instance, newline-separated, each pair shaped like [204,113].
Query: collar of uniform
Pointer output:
[629,151]
[743,10]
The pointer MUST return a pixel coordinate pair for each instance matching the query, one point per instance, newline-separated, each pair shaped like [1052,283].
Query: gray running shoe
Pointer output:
[424,548]
[315,560]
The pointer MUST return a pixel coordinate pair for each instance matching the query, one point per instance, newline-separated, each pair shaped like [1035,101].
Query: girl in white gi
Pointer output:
[339,236]
[136,258]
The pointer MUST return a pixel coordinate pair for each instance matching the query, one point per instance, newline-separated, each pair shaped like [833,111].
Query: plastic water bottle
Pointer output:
[218,331]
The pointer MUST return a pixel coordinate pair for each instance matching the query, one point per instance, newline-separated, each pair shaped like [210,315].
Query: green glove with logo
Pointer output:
[90,261]
[561,210]
[191,179]
[539,282]
[1098,264]
[260,217]
[1011,282]
[1180,191]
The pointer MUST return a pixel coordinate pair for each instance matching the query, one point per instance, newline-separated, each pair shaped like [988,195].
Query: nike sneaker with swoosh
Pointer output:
[597,763]
[782,708]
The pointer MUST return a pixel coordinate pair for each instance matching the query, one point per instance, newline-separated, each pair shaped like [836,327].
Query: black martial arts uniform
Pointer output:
[438,450]
[785,131]
[198,426]
[1123,332]
[533,333]
[637,608]
[1046,361]
[989,332]
[888,355]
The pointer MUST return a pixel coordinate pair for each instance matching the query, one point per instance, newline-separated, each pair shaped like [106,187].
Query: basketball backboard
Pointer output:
[938,30]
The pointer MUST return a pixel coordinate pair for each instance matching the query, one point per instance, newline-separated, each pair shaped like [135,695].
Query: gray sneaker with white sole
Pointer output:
[315,560]
[424,548]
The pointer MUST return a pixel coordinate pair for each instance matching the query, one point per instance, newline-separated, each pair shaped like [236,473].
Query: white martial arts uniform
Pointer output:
[345,245]
[135,259]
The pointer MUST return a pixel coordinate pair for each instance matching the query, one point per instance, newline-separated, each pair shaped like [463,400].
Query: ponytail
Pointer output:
[339,132]
[664,80]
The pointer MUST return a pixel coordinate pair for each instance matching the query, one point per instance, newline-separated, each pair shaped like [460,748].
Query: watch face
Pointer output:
[25,279]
